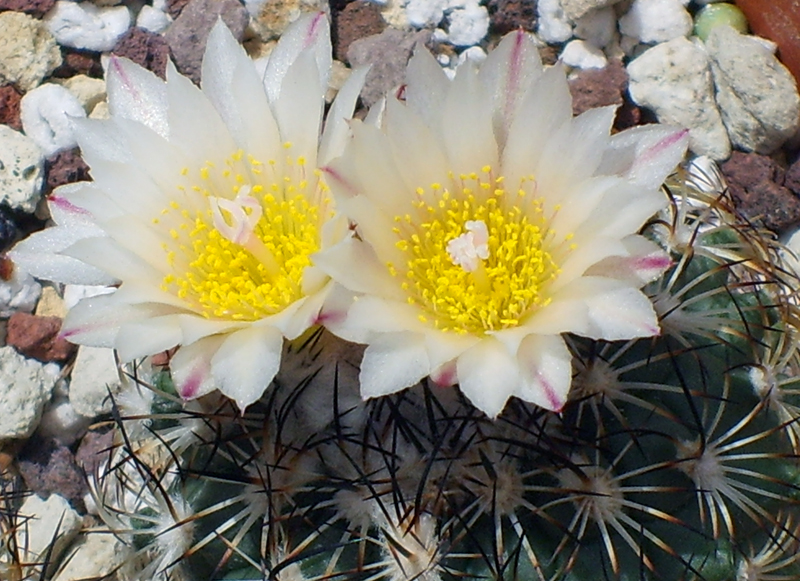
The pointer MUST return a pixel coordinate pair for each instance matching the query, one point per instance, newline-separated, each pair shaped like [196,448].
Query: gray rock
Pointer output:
[574,9]
[674,80]
[46,522]
[21,170]
[388,53]
[756,94]
[25,387]
[93,556]
[19,293]
[188,34]
[28,52]
[93,377]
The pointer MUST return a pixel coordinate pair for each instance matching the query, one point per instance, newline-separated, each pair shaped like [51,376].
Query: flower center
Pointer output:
[476,257]
[241,236]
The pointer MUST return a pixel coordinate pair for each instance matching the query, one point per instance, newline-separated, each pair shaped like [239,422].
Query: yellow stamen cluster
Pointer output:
[221,279]
[510,283]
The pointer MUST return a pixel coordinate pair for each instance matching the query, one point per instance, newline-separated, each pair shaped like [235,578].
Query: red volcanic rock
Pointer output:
[48,467]
[508,15]
[146,49]
[37,337]
[592,88]
[65,167]
[356,20]
[758,189]
[9,107]
[36,8]
[79,62]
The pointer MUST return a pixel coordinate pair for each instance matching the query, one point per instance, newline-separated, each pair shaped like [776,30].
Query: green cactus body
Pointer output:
[676,457]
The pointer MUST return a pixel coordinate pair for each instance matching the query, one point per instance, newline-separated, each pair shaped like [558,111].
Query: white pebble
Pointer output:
[20,293]
[25,387]
[439,36]
[423,13]
[597,27]
[46,114]
[153,19]
[473,54]
[63,423]
[554,26]
[21,170]
[469,24]
[654,21]
[86,26]
[582,55]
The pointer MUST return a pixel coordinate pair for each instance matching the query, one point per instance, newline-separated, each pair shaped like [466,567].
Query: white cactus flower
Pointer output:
[489,222]
[205,209]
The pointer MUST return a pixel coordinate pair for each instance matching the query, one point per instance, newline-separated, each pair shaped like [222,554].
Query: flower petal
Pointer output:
[583,257]
[407,133]
[311,33]
[246,363]
[40,254]
[488,375]
[100,140]
[393,362]
[147,337]
[508,72]
[645,262]
[545,108]
[191,367]
[83,198]
[231,83]
[137,94]
[546,368]
[196,327]
[646,154]
[337,121]
[374,227]
[598,308]
[299,108]
[384,316]
[426,88]
[96,321]
[574,152]
[370,277]
[377,173]
[206,141]
[466,127]
[304,316]
[107,255]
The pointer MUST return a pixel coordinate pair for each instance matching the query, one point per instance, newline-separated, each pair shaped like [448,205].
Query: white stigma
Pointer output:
[242,224]
[471,247]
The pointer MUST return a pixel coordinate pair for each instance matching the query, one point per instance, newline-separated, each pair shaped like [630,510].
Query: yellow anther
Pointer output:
[222,278]
[507,278]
